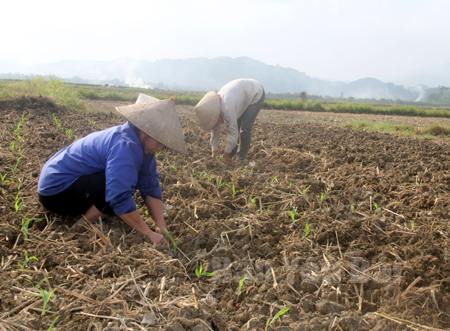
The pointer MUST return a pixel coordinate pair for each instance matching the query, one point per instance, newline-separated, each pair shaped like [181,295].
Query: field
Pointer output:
[348,229]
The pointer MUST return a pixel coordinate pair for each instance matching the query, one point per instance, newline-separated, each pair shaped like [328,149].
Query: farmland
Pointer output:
[348,229]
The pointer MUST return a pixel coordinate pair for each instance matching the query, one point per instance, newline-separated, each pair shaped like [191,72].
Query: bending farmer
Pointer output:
[237,104]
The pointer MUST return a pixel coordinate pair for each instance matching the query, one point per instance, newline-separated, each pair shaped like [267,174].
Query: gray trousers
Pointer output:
[245,127]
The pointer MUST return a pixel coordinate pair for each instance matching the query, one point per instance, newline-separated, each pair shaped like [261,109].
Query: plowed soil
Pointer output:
[347,229]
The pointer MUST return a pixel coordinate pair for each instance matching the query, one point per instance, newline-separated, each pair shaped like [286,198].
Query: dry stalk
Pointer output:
[407,323]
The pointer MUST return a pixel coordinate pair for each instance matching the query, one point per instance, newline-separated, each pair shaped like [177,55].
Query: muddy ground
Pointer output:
[347,229]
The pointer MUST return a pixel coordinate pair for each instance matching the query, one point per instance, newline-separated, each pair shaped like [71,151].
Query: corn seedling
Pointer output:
[53,323]
[292,214]
[220,184]
[26,223]
[27,259]
[18,202]
[377,209]
[247,170]
[174,243]
[199,272]
[273,179]
[2,176]
[323,196]
[209,178]
[289,182]
[39,283]
[241,284]
[411,224]
[157,154]
[11,145]
[277,315]
[171,165]
[235,191]
[46,298]
[307,230]
[304,189]
[253,201]
[267,210]
[352,207]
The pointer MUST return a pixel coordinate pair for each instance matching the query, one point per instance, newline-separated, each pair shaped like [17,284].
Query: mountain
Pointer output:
[433,76]
[202,74]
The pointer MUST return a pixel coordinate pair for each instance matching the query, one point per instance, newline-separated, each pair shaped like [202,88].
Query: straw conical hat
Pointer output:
[145,98]
[159,120]
[208,110]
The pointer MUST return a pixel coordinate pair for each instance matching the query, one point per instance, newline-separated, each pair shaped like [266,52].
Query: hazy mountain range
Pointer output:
[202,74]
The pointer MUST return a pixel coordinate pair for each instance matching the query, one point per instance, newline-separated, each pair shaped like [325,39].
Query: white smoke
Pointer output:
[136,82]
[422,92]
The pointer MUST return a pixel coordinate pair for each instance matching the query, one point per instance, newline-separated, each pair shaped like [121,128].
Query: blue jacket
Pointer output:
[119,153]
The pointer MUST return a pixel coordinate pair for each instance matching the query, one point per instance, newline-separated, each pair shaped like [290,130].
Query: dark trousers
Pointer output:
[79,197]
[245,127]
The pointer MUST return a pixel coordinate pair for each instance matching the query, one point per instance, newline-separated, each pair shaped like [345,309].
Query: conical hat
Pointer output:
[208,110]
[159,120]
[145,98]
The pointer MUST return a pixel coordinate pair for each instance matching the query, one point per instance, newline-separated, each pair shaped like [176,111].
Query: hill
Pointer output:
[202,74]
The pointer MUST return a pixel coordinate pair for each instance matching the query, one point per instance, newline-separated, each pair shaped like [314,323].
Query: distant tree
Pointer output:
[442,97]
[304,96]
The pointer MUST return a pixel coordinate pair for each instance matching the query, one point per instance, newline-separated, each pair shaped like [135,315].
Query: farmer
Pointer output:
[237,104]
[98,175]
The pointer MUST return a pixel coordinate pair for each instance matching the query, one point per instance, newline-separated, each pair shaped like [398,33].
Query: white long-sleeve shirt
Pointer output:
[236,96]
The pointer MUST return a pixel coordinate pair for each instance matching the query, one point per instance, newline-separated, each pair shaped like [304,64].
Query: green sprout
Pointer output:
[267,210]
[27,259]
[273,179]
[292,214]
[411,224]
[53,323]
[171,165]
[323,196]
[2,177]
[46,298]
[199,272]
[174,243]
[11,146]
[157,154]
[220,184]
[377,209]
[304,189]
[17,205]
[26,224]
[253,201]
[307,230]
[277,315]
[241,284]
[235,191]
[289,182]
[352,207]
[210,178]
[39,283]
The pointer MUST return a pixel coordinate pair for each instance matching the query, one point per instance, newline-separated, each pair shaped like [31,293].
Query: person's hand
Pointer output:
[162,231]
[226,156]
[158,239]
[214,153]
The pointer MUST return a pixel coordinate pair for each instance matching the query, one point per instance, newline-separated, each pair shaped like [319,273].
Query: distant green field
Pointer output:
[73,94]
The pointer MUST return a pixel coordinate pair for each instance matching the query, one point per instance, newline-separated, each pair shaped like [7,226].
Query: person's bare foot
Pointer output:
[80,226]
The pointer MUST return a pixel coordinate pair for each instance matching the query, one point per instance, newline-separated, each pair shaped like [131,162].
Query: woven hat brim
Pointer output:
[159,120]
[208,110]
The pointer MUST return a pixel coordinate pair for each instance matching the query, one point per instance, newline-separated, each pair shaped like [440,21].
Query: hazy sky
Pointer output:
[330,39]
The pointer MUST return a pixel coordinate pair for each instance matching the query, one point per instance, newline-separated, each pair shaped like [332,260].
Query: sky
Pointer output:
[335,40]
